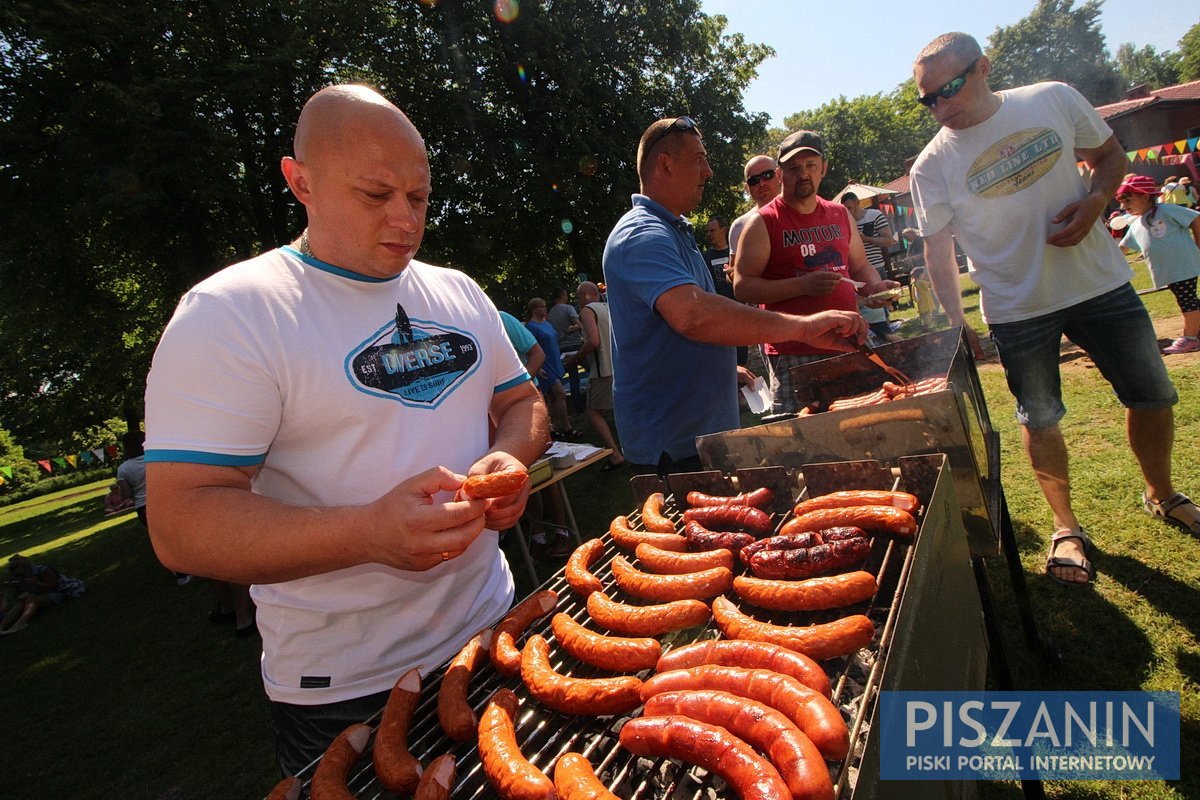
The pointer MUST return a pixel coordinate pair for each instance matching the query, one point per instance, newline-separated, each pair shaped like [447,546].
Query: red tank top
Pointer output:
[803,243]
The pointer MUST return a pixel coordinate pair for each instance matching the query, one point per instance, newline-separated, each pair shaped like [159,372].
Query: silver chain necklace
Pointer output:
[302,244]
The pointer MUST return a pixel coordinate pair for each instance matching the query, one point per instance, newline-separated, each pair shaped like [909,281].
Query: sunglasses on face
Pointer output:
[679,124]
[765,175]
[949,89]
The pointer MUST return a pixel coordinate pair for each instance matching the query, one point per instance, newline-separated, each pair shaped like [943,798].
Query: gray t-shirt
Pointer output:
[562,317]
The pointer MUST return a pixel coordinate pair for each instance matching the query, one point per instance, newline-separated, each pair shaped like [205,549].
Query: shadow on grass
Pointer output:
[1170,596]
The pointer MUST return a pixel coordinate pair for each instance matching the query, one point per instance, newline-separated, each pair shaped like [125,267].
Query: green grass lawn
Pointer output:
[132,692]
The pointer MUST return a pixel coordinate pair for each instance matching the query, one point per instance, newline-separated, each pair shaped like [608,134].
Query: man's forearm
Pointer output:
[523,429]
[943,274]
[762,290]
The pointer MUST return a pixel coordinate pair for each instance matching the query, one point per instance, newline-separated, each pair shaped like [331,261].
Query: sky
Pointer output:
[828,49]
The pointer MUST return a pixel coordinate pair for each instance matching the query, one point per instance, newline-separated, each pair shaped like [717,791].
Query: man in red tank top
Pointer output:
[801,254]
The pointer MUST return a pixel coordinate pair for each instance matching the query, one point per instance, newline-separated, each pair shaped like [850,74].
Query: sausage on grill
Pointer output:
[627,538]
[829,640]
[616,653]
[807,562]
[653,620]
[595,696]
[665,588]
[454,711]
[578,571]
[329,780]
[395,767]
[503,650]
[653,518]
[860,497]
[666,562]
[507,770]
[732,518]
[759,498]
[750,654]
[814,594]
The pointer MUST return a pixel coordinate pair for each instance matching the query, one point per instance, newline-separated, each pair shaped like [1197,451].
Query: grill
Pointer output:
[953,421]
[907,652]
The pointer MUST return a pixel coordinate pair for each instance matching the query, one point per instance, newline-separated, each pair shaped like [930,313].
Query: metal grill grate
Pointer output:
[545,734]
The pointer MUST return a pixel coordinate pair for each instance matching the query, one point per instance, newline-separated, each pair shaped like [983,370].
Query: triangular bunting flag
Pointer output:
[60,462]
[1,481]
[7,471]
[73,461]
[1142,153]
[1131,155]
[1192,142]
[46,466]
[1168,149]
[99,454]
[86,457]
[1152,153]
[1181,146]
[112,451]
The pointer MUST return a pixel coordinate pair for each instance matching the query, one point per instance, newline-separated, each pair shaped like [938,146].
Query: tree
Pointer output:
[868,139]
[140,141]
[1056,42]
[1189,54]
[1147,66]
[12,455]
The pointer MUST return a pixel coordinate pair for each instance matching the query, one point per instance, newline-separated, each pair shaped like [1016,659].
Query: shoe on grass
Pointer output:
[1064,569]
[1184,344]
[1178,509]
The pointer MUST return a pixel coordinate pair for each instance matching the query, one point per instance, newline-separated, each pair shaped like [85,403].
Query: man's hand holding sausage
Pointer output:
[503,511]
[832,330]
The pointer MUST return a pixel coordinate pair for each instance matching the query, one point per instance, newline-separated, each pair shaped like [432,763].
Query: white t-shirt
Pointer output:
[312,372]
[998,184]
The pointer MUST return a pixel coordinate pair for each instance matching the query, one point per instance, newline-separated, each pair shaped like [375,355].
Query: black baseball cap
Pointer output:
[798,142]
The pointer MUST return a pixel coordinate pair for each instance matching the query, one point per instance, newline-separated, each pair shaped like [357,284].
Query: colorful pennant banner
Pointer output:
[1167,153]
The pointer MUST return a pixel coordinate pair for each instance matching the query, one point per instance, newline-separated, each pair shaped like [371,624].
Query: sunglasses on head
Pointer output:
[949,89]
[678,124]
[765,175]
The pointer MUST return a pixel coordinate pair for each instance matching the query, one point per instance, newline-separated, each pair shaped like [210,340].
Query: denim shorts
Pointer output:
[1114,329]
[303,732]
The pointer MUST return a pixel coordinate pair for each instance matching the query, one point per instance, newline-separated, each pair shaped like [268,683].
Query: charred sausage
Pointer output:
[759,498]
[709,746]
[651,620]
[829,640]
[503,649]
[805,563]
[616,653]
[395,767]
[699,537]
[784,541]
[814,594]
[665,588]
[731,518]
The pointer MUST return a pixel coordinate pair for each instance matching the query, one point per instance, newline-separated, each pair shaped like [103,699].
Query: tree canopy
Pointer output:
[140,142]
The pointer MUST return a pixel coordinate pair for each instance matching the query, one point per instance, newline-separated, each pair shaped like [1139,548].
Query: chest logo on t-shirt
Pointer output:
[1015,162]
[416,362]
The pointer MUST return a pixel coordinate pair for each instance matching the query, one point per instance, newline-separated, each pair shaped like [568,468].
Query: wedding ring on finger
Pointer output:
[447,555]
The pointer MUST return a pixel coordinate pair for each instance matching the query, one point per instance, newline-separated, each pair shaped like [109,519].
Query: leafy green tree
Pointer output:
[868,139]
[1058,42]
[13,455]
[1189,54]
[1147,66]
[140,141]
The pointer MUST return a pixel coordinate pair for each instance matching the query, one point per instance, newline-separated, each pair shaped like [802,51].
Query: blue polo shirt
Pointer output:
[667,389]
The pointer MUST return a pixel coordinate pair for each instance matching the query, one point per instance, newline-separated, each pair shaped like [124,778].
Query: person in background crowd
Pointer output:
[675,372]
[763,182]
[524,342]
[311,416]
[596,355]
[1045,268]
[876,233]
[721,266]
[34,587]
[1188,192]
[131,480]
[802,254]
[565,319]
[1169,236]
[550,377]
[115,502]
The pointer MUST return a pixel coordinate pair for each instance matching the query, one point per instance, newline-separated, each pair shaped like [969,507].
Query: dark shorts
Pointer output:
[669,466]
[303,732]
[1114,329]
[600,393]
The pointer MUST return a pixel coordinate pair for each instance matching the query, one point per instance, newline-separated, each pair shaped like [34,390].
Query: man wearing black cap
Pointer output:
[674,370]
[801,254]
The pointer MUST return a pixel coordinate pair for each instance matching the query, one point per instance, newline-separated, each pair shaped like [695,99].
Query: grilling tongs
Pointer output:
[899,376]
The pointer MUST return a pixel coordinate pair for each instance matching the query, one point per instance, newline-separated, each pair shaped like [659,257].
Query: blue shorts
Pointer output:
[1114,329]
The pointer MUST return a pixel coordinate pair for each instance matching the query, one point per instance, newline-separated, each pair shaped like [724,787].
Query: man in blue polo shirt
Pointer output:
[674,338]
